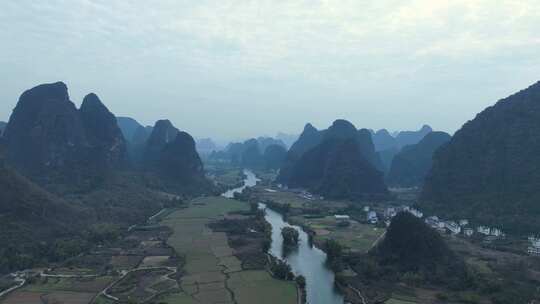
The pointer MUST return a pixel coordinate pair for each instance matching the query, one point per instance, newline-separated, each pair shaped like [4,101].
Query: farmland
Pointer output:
[357,237]
[181,259]
[212,273]
[59,290]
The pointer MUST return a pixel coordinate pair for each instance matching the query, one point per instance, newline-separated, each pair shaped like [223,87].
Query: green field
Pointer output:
[398,301]
[69,284]
[357,237]
[211,269]
[259,287]
[296,201]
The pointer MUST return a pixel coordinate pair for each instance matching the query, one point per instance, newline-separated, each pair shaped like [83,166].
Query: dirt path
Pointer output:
[105,293]
[358,293]
[21,284]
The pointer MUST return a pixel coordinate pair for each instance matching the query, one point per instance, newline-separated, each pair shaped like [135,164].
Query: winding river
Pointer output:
[249,181]
[307,260]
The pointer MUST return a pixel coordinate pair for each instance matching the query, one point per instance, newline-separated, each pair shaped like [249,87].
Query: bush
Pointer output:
[333,249]
[290,236]
[282,270]
[301,281]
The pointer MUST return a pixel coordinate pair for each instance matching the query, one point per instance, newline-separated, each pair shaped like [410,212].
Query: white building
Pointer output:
[416,213]
[390,212]
[341,217]
[453,227]
[463,222]
[432,221]
[372,217]
[534,248]
[366,208]
[468,232]
[483,230]
[496,232]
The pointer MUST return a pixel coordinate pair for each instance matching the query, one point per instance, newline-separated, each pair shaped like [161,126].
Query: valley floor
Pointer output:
[179,261]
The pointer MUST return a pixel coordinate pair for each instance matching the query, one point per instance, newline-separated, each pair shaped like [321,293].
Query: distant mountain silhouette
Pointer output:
[334,162]
[410,166]
[248,154]
[383,140]
[48,138]
[287,139]
[205,146]
[136,136]
[171,155]
[265,142]
[490,169]
[274,156]
[128,126]
[405,138]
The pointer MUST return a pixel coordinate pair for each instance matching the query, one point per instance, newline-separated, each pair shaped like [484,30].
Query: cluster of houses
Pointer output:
[453,227]
[534,246]
[307,195]
[389,213]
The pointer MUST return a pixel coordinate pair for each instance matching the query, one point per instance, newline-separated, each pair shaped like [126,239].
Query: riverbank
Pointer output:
[213,272]
[306,260]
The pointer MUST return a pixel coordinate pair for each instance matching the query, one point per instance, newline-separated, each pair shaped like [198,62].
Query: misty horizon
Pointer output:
[263,67]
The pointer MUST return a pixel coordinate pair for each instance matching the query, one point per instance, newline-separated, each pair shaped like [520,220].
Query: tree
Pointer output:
[301,281]
[282,270]
[333,249]
[290,236]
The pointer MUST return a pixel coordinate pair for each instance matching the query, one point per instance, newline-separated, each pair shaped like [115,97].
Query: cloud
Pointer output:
[272,51]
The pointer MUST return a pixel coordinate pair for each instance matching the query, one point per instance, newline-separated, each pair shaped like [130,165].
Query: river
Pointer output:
[307,260]
[250,181]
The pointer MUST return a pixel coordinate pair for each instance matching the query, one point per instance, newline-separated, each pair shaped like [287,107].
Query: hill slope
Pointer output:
[410,166]
[334,162]
[52,141]
[490,169]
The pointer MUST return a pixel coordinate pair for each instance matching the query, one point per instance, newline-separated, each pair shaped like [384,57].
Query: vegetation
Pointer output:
[290,236]
[490,171]
[339,163]
[281,270]
[418,254]
[410,166]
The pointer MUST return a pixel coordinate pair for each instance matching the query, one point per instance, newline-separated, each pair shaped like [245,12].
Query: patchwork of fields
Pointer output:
[357,237]
[212,274]
[210,271]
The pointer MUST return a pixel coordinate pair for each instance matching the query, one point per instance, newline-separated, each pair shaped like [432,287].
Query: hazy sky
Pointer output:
[242,68]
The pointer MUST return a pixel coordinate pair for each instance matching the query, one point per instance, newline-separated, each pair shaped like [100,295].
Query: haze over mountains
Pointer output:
[339,162]
[410,166]
[60,162]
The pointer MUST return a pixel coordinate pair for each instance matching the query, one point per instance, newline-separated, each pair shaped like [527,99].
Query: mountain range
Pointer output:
[339,162]
[410,165]
[254,153]
[65,170]
[387,145]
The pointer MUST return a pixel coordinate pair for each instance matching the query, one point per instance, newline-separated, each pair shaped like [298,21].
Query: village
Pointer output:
[378,215]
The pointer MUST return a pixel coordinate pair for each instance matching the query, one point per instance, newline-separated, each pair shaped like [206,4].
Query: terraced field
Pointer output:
[212,273]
